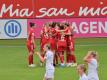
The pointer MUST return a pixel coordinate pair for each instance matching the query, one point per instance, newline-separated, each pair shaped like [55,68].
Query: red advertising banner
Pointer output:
[83,27]
[70,8]
[16,9]
[53,8]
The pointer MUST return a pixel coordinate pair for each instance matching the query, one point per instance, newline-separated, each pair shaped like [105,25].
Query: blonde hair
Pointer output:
[82,66]
[94,54]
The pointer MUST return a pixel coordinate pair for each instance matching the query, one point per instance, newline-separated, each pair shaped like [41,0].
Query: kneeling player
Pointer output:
[49,56]
[31,44]
[81,71]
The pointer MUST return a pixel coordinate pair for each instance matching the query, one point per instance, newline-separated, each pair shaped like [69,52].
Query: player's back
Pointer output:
[49,60]
[83,77]
[92,70]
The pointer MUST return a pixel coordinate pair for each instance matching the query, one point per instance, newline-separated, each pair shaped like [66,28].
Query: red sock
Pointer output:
[67,58]
[56,58]
[73,58]
[30,59]
[62,57]
[70,58]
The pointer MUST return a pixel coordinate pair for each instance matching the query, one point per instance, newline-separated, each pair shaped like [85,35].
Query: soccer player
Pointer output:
[52,36]
[70,58]
[31,44]
[44,35]
[92,60]
[52,40]
[49,56]
[81,71]
[44,39]
[73,57]
[61,44]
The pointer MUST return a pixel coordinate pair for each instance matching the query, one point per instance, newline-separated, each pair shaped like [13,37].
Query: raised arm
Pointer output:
[87,58]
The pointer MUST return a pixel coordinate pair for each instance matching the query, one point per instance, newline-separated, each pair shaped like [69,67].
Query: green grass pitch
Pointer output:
[13,60]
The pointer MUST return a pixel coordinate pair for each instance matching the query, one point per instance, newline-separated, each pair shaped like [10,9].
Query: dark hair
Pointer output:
[61,27]
[32,24]
[53,25]
[58,24]
[67,24]
[48,46]
[94,53]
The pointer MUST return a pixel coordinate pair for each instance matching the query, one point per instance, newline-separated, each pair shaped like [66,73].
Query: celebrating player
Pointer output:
[81,71]
[61,44]
[49,56]
[92,60]
[52,40]
[31,44]
[44,38]
[71,59]
[44,35]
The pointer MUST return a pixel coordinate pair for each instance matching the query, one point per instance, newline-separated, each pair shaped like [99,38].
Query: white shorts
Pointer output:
[93,78]
[49,73]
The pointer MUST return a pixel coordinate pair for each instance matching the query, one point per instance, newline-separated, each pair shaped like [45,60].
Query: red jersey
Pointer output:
[30,35]
[44,33]
[52,38]
[30,44]
[61,41]
[69,33]
[52,33]
[70,39]
[44,37]
[60,35]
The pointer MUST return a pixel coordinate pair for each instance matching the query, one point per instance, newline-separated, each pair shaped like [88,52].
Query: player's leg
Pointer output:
[42,44]
[61,56]
[30,55]
[60,51]
[68,60]
[53,48]
[68,56]
[30,58]
[29,51]
[73,57]
[56,57]
[67,53]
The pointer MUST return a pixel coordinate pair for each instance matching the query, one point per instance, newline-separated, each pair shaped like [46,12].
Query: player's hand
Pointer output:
[37,53]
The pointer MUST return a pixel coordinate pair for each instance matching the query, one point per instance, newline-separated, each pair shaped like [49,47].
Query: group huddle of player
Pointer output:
[57,39]
[60,36]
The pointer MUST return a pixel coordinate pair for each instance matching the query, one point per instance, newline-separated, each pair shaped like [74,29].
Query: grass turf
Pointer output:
[13,60]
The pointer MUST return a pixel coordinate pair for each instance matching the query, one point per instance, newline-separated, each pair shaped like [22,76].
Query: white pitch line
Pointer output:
[92,45]
[75,45]
[12,46]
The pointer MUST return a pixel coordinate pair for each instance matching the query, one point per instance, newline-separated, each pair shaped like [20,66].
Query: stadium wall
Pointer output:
[89,17]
